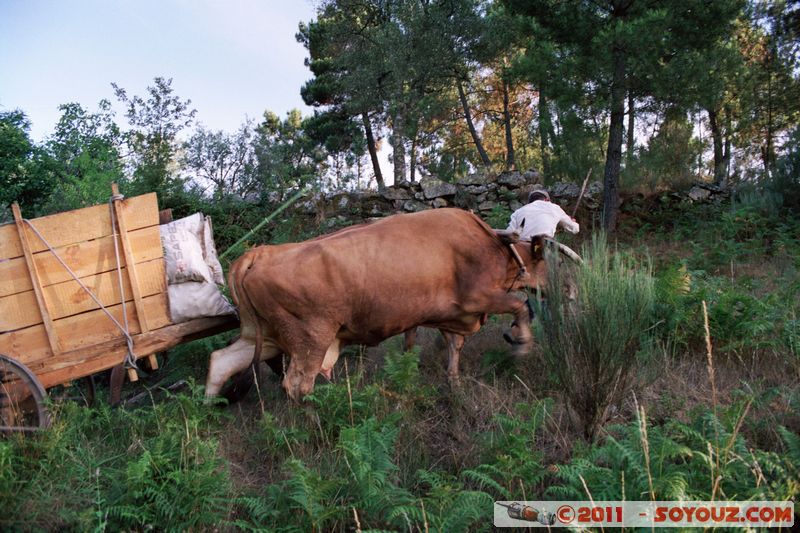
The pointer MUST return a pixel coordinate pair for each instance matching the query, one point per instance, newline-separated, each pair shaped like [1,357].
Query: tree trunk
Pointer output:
[726,154]
[614,150]
[398,148]
[468,116]
[767,150]
[629,145]
[510,164]
[544,129]
[373,152]
[716,136]
[412,160]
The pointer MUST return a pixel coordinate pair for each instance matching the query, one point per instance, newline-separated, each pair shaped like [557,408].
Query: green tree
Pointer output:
[286,158]
[225,161]
[83,155]
[156,122]
[347,76]
[611,42]
[21,177]
[397,63]
[770,89]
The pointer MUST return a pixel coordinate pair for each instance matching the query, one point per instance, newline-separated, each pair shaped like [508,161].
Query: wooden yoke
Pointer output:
[35,280]
[130,267]
[510,238]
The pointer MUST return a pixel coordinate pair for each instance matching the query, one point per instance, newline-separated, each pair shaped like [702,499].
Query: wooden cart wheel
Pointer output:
[22,405]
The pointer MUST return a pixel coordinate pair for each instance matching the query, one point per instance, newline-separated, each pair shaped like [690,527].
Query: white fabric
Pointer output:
[541,218]
[195,300]
[183,255]
[210,254]
[192,223]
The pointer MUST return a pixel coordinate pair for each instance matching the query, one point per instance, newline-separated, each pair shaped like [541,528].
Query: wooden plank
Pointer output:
[122,211]
[68,298]
[84,258]
[80,225]
[50,332]
[81,331]
[73,365]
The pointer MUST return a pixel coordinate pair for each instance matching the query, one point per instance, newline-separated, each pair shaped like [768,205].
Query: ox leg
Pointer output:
[231,360]
[455,343]
[508,303]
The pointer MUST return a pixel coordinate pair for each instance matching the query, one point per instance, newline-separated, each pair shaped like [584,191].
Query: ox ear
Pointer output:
[537,247]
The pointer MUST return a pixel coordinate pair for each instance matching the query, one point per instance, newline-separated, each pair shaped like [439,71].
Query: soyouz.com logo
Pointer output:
[643,514]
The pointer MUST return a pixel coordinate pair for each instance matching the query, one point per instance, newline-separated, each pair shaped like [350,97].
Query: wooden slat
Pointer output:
[68,298]
[62,368]
[84,258]
[80,225]
[82,331]
[49,330]
[122,210]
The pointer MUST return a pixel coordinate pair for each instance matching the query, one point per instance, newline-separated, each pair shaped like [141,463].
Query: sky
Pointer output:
[233,58]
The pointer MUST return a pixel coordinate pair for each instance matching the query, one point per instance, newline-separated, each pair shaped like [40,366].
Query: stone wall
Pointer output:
[480,192]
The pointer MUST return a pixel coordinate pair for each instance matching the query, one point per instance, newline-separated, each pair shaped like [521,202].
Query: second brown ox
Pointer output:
[443,268]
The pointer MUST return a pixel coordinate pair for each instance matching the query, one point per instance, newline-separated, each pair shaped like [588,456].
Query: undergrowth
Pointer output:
[389,445]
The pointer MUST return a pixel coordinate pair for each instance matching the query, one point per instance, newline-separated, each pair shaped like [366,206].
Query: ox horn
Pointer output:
[569,252]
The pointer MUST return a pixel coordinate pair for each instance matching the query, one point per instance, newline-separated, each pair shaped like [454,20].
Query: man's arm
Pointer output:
[565,221]
[513,223]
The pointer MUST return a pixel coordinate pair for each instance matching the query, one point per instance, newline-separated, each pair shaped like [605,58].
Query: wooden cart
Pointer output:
[51,329]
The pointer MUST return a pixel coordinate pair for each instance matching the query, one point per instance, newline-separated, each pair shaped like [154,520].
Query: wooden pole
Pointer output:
[580,196]
[130,267]
[52,339]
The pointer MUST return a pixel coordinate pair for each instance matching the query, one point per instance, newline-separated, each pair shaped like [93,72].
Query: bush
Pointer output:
[591,345]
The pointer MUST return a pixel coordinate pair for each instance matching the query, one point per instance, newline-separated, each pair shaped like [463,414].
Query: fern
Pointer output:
[401,370]
[484,476]
[681,465]
[313,495]
[368,451]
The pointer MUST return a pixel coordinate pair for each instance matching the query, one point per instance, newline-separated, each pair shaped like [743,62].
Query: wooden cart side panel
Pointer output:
[80,225]
[81,331]
[68,298]
[84,258]
[70,366]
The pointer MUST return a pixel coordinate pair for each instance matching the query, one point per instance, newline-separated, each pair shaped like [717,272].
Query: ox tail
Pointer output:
[247,310]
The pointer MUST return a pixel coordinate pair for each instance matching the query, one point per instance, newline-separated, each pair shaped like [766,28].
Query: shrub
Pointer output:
[591,345]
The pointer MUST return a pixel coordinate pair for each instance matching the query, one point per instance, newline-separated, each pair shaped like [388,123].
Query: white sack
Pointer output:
[201,228]
[195,300]
[183,255]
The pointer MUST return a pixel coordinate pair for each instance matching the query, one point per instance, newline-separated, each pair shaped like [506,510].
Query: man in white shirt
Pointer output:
[538,217]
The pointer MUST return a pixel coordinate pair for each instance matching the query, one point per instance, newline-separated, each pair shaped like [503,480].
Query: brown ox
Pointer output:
[443,268]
